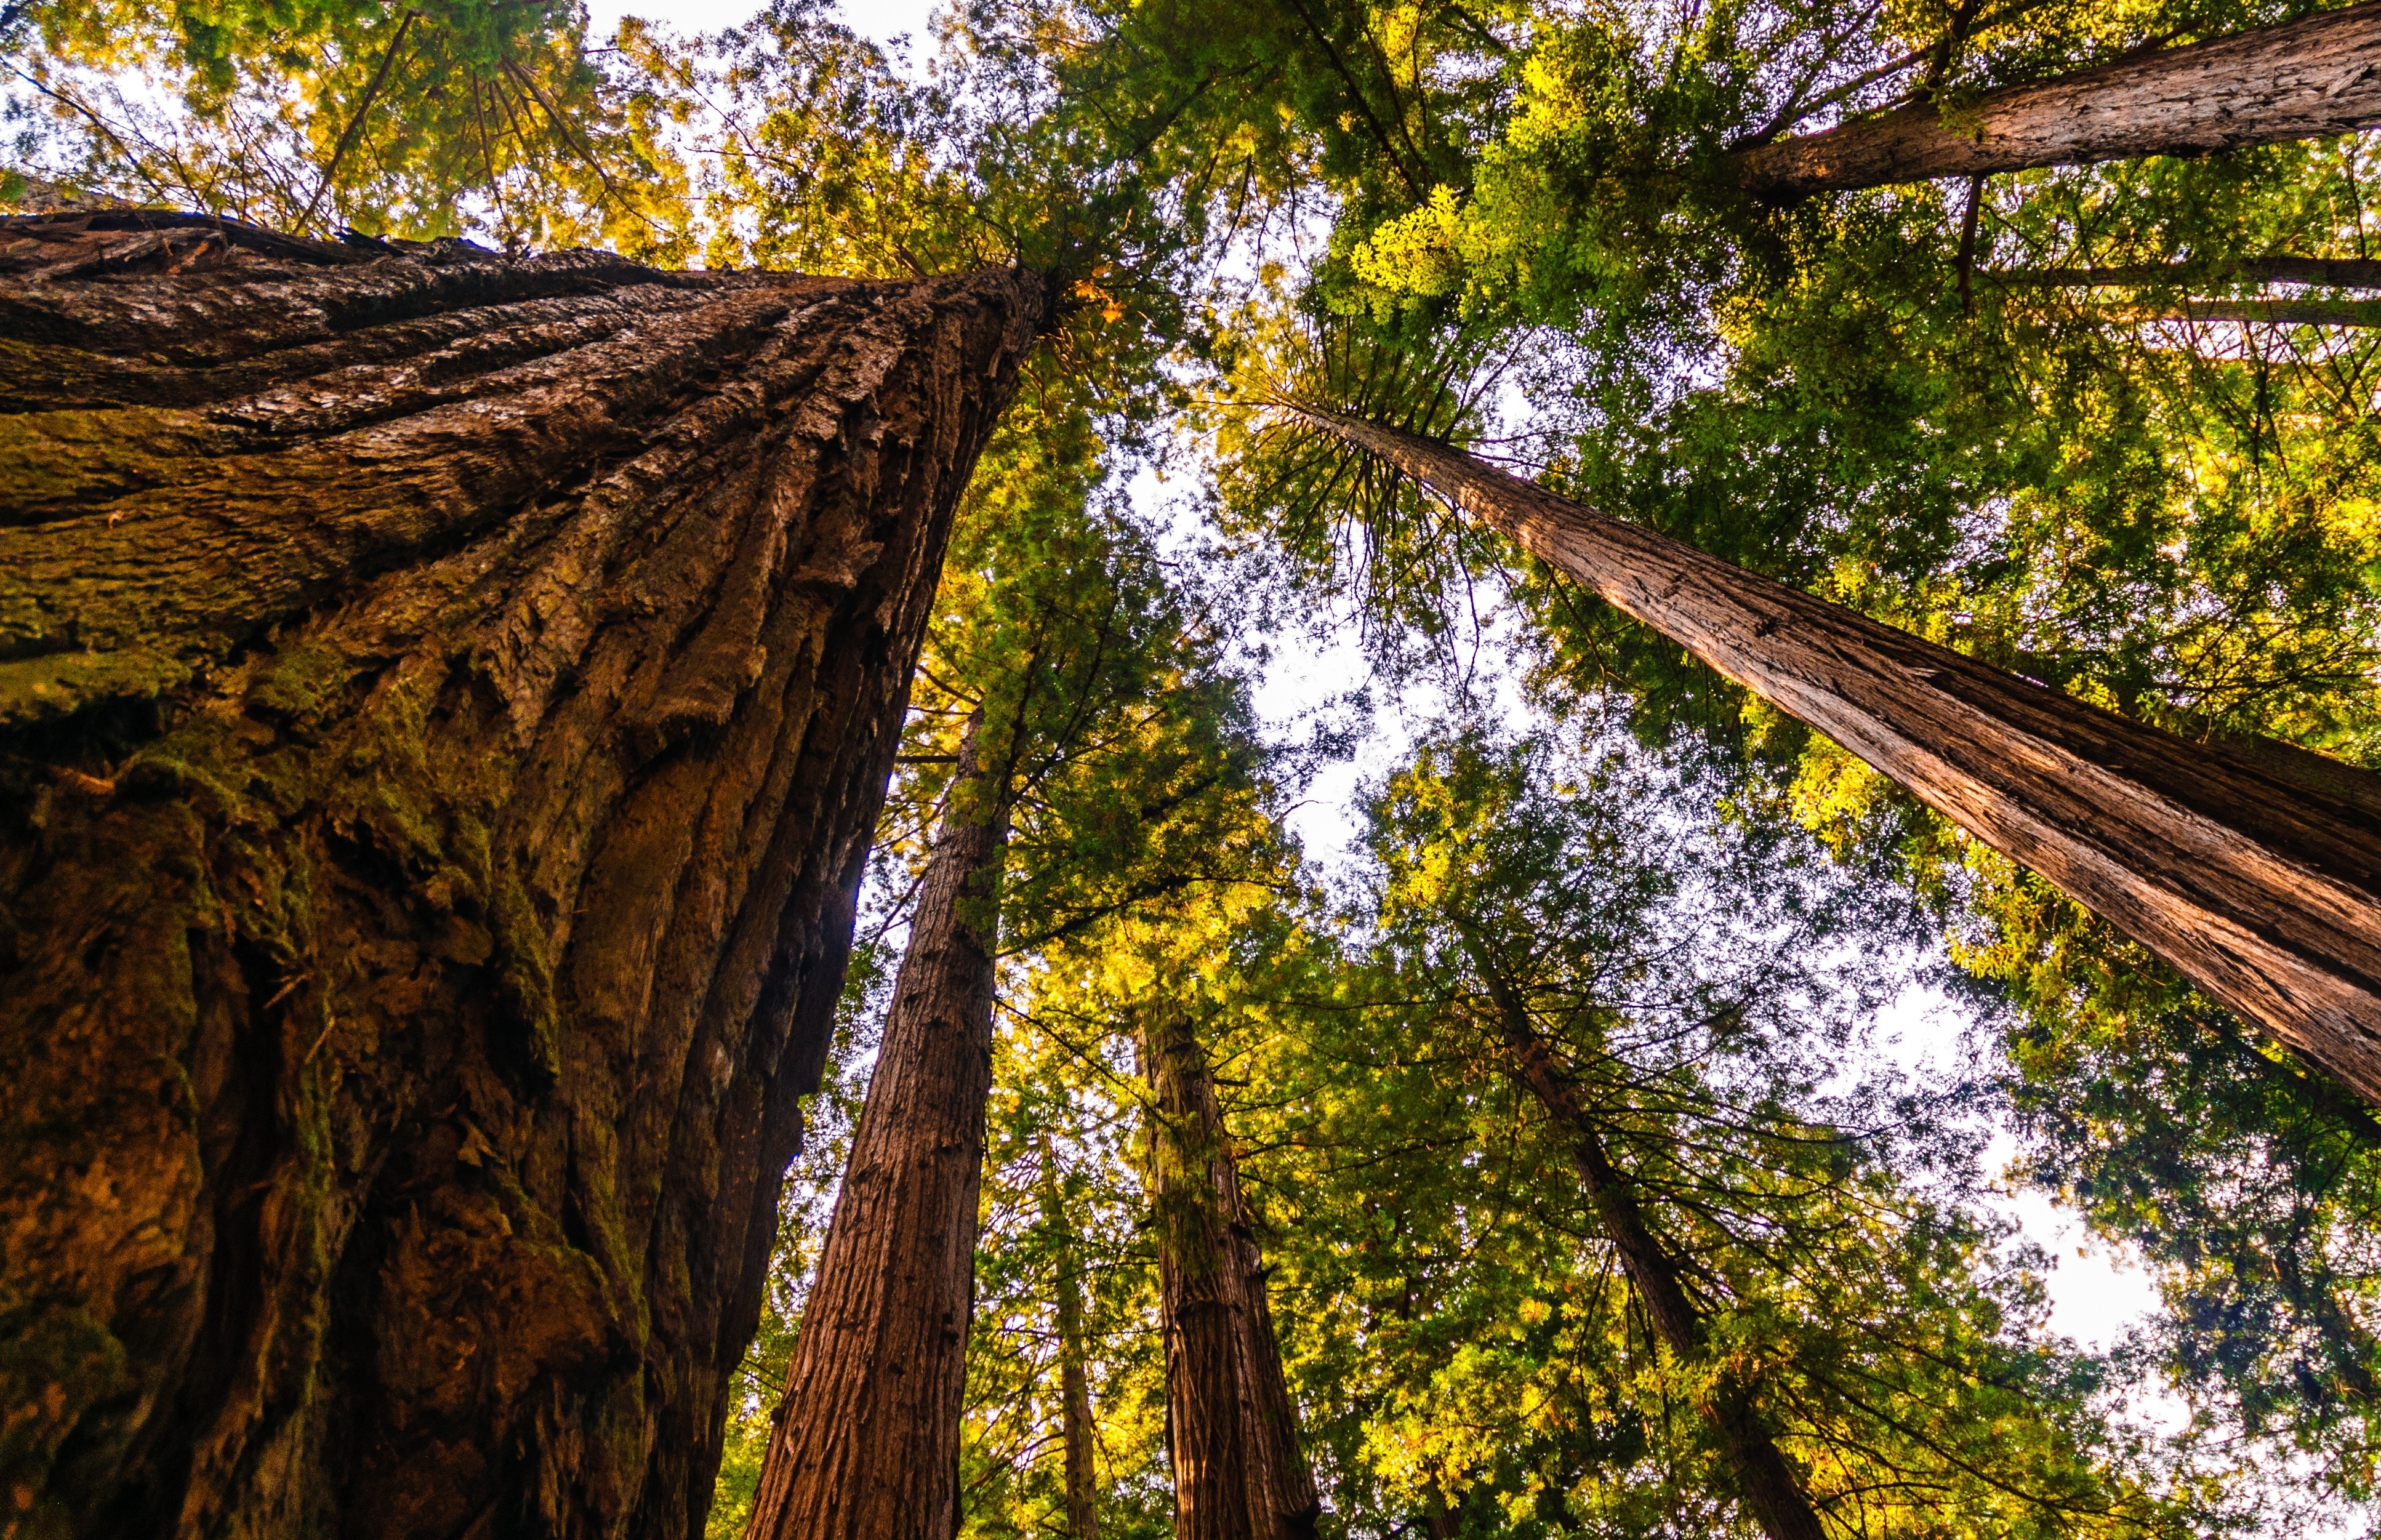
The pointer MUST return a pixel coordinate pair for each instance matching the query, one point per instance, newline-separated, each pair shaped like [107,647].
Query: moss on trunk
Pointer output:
[444,701]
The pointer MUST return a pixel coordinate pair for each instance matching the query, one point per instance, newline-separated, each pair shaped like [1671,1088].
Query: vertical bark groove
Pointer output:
[443,703]
[2317,76]
[866,1444]
[2254,869]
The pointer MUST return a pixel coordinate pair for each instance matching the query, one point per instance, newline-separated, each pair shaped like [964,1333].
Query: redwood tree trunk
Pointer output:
[1238,1472]
[1763,1477]
[2322,271]
[1075,1428]
[867,1440]
[444,704]
[2254,868]
[2307,78]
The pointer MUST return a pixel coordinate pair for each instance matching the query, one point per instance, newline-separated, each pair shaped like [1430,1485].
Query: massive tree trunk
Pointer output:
[444,704]
[1238,1472]
[1763,1476]
[2254,868]
[1075,1428]
[2301,79]
[867,1440]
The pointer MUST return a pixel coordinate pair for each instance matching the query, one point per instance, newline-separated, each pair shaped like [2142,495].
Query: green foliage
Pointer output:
[429,120]
[1452,214]
[1683,975]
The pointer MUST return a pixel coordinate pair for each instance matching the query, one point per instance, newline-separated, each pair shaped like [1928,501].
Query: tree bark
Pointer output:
[444,704]
[1076,1426]
[1763,1477]
[2321,272]
[2256,312]
[1238,1472]
[867,1438]
[2317,76]
[2255,869]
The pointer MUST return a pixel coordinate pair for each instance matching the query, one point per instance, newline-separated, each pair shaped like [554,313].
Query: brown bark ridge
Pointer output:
[2299,80]
[444,704]
[2254,869]
[1075,1428]
[1239,1471]
[1765,1478]
[866,1445]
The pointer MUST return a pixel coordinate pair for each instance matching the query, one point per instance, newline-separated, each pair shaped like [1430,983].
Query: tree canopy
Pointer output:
[1603,940]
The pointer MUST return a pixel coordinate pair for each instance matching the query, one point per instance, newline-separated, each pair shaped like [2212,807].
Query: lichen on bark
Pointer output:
[442,703]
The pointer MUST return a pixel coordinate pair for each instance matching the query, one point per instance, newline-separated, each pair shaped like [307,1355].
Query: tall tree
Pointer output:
[1077,1430]
[1765,1478]
[2316,76]
[867,1438]
[1661,988]
[446,702]
[2255,868]
[1057,637]
[1239,1472]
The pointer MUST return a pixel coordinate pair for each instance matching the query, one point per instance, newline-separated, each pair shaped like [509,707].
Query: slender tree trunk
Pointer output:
[2261,312]
[2307,78]
[1238,1472]
[2322,271]
[2254,868]
[1074,1373]
[867,1438]
[1763,1476]
[444,704]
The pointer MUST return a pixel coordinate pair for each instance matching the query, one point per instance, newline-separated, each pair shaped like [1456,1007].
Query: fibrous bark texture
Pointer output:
[1238,1472]
[2254,868]
[867,1440]
[1765,1478]
[2301,79]
[443,703]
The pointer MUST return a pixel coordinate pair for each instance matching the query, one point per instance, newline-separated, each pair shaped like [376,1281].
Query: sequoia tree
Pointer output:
[867,1438]
[444,704]
[2305,79]
[1238,1473]
[2253,867]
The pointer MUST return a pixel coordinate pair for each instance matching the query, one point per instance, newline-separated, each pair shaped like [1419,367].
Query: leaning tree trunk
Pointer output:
[2301,79]
[867,1440]
[1238,1472]
[1765,1478]
[2254,868]
[444,704]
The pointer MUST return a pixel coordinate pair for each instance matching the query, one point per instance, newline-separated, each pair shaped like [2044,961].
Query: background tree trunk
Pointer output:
[2253,868]
[1075,1428]
[1238,1472]
[444,704]
[2323,272]
[1763,1477]
[867,1438]
[2307,78]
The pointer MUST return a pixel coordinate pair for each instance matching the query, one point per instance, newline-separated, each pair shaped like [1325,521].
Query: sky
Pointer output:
[2095,1292]
[881,19]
